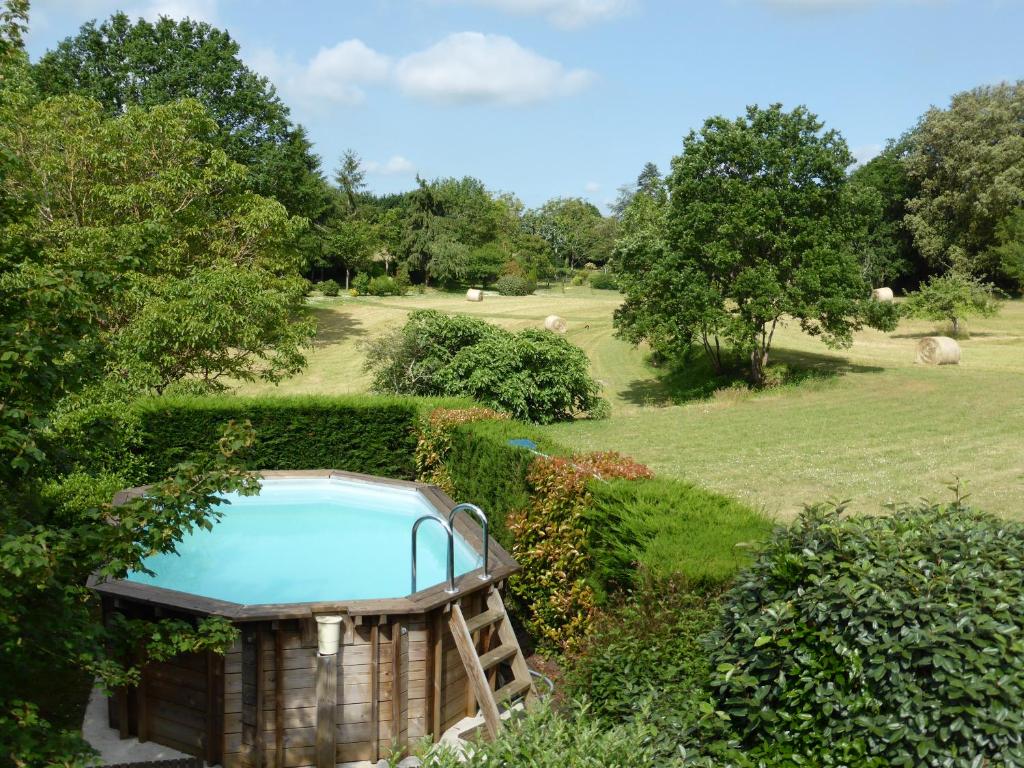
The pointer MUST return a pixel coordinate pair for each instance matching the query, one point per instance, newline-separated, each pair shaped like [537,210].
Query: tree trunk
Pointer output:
[347,271]
[956,326]
[758,362]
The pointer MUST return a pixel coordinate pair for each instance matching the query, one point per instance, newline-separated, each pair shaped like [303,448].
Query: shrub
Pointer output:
[328,287]
[513,285]
[883,641]
[413,359]
[552,593]
[361,283]
[384,286]
[531,375]
[670,528]
[466,452]
[604,280]
[548,739]
[645,658]
[361,434]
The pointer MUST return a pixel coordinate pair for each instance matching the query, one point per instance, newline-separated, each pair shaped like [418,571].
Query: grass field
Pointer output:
[876,428]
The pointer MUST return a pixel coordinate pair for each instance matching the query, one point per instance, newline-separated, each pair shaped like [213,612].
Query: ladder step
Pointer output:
[511,690]
[485,619]
[498,655]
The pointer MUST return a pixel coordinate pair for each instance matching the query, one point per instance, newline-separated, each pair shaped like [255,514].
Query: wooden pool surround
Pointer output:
[273,700]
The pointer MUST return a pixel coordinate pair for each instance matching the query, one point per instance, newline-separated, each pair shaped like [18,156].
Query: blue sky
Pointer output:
[550,98]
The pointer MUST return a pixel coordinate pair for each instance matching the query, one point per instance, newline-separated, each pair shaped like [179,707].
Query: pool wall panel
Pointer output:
[369,718]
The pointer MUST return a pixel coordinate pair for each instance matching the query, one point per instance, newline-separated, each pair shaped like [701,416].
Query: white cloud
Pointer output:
[563,13]
[334,74]
[46,12]
[591,187]
[833,5]
[396,165]
[197,10]
[865,153]
[471,67]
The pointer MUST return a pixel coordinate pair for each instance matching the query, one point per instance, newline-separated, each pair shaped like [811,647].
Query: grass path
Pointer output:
[884,429]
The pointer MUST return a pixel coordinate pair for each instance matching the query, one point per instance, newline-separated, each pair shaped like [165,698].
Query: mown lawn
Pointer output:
[874,428]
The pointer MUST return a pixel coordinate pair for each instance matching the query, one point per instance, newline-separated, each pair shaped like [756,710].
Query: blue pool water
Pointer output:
[306,540]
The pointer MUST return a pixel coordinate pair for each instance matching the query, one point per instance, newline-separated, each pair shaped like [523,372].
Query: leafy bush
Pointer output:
[552,592]
[374,435]
[513,285]
[384,286]
[531,375]
[547,739]
[646,658]
[328,287]
[466,452]
[413,359]
[881,641]
[669,528]
[361,283]
[604,280]
[953,296]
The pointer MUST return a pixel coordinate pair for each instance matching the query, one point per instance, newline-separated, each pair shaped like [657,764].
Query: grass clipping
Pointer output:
[938,350]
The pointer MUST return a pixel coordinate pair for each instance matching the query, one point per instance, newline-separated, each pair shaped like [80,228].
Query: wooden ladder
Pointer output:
[482,667]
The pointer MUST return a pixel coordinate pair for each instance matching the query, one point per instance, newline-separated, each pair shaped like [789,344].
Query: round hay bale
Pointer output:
[938,350]
[556,324]
[474,294]
[883,295]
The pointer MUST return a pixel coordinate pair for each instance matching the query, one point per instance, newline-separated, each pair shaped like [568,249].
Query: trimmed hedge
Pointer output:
[375,435]
[481,467]
[670,528]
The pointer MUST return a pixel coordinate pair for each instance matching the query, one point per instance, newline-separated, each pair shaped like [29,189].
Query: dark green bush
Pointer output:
[646,658]
[413,359]
[361,283]
[531,375]
[513,285]
[384,285]
[670,528]
[604,280]
[569,738]
[880,641]
[375,435]
[328,287]
[479,465]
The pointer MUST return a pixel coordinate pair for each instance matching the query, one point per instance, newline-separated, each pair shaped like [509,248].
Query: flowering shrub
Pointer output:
[549,539]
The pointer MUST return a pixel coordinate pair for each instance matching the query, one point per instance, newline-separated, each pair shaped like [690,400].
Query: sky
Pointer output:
[569,98]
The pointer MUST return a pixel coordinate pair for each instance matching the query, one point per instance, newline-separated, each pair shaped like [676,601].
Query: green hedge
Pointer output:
[375,435]
[487,471]
[670,528]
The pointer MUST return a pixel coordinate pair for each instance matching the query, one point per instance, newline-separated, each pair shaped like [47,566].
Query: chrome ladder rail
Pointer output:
[482,518]
[452,589]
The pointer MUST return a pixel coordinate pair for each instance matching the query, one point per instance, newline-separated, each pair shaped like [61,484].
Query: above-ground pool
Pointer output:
[305,540]
[337,659]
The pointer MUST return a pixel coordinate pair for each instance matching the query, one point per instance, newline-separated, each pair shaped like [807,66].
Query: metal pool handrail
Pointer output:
[452,589]
[465,507]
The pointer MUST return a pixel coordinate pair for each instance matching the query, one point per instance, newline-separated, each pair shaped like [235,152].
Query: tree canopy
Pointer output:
[121,64]
[757,232]
[967,163]
[147,201]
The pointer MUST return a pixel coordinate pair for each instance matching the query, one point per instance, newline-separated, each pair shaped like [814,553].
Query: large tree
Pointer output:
[889,255]
[121,64]
[968,161]
[147,200]
[757,233]
[574,229]
[50,541]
